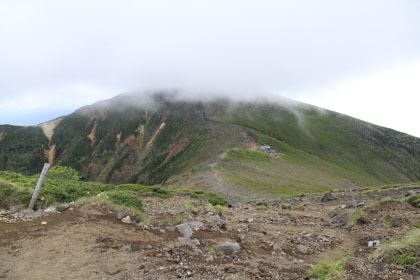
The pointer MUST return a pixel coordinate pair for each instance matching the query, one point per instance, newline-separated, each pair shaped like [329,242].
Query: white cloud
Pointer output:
[389,98]
[72,53]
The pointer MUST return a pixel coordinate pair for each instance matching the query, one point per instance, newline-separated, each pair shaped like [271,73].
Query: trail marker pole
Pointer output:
[38,185]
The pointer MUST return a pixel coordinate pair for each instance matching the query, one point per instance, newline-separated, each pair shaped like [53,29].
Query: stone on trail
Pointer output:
[38,213]
[64,207]
[195,225]
[26,213]
[43,223]
[228,246]
[304,249]
[50,209]
[120,215]
[185,230]
[411,192]
[341,219]
[328,196]
[15,209]
[126,220]
[216,222]
[284,219]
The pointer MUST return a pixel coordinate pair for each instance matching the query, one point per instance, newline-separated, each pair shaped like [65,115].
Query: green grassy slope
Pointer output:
[361,152]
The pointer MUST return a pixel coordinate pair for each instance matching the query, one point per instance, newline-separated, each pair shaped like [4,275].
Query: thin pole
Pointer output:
[38,185]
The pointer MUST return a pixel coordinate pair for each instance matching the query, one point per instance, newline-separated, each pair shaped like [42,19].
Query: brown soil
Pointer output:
[89,242]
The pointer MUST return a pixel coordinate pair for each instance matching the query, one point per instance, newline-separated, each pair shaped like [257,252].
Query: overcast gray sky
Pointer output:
[361,58]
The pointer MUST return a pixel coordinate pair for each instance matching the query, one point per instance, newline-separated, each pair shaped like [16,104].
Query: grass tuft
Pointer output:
[190,208]
[352,220]
[414,200]
[405,250]
[328,269]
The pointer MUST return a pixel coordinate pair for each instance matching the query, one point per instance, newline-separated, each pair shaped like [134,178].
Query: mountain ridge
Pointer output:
[162,139]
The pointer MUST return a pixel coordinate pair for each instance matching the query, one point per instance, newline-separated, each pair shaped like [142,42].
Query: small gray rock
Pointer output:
[196,225]
[120,215]
[184,241]
[26,213]
[341,219]
[328,196]
[14,209]
[63,208]
[216,222]
[232,247]
[284,219]
[185,230]
[38,213]
[304,249]
[171,228]
[50,209]
[411,192]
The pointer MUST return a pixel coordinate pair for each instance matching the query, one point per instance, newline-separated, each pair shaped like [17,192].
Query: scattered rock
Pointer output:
[411,192]
[50,209]
[216,222]
[210,258]
[285,219]
[304,249]
[257,228]
[126,220]
[242,237]
[38,213]
[15,209]
[195,242]
[185,230]
[196,225]
[328,196]
[120,215]
[228,247]
[412,271]
[396,223]
[26,213]
[63,208]
[43,223]
[378,267]
[341,219]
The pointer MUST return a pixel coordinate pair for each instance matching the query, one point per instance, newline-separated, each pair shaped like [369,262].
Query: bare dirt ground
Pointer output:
[280,240]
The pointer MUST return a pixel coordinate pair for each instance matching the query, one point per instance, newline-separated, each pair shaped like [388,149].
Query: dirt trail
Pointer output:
[89,242]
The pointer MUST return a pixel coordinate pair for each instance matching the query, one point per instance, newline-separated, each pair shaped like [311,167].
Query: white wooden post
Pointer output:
[38,185]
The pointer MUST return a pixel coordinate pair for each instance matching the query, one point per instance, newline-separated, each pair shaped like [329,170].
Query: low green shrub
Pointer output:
[124,198]
[212,198]
[64,172]
[153,190]
[414,200]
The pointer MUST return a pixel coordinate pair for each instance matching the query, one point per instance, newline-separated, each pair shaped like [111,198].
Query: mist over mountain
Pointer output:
[215,144]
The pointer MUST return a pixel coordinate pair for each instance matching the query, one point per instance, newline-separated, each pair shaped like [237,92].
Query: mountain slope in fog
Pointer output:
[215,145]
